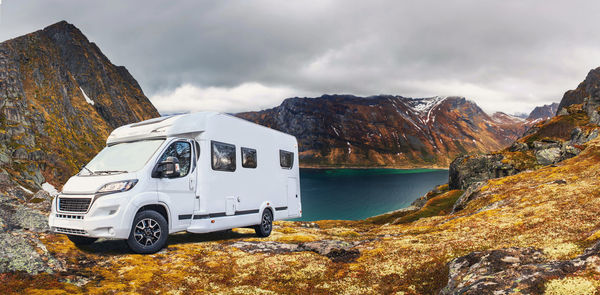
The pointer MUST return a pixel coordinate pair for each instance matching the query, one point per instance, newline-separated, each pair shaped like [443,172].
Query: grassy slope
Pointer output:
[528,209]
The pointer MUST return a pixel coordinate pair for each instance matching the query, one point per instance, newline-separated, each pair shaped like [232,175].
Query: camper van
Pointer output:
[200,172]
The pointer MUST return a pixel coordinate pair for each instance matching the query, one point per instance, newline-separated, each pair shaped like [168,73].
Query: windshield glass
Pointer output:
[122,157]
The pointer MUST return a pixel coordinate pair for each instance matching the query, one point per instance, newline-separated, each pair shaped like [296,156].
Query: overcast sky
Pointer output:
[249,55]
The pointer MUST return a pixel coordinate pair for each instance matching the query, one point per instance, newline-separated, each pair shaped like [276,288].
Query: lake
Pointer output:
[352,194]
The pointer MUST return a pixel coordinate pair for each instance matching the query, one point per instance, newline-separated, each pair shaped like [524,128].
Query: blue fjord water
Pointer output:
[351,194]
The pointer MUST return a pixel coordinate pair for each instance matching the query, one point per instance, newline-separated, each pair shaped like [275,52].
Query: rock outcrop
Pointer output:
[23,218]
[586,89]
[513,270]
[60,97]
[384,130]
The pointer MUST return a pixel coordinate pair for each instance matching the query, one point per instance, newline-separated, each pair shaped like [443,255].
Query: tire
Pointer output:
[265,227]
[81,241]
[149,232]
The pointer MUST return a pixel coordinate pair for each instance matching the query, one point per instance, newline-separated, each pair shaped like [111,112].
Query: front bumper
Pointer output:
[104,219]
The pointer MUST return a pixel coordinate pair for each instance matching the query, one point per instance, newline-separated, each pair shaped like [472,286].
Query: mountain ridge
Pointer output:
[387,130]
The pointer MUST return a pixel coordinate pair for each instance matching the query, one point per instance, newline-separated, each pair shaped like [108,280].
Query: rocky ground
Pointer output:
[526,233]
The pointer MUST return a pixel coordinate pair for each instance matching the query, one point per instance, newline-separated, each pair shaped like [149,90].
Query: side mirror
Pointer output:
[168,168]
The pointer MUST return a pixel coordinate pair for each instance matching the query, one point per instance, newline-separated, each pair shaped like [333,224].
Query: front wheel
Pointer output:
[266,224]
[148,233]
[81,241]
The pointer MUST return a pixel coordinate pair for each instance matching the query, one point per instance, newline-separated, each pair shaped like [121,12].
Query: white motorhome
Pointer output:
[200,172]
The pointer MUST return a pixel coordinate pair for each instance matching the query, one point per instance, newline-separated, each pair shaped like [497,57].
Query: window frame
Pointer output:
[212,152]
[280,158]
[192,160]
[255,157]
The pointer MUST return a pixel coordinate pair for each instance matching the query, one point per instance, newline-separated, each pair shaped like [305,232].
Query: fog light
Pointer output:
[111,231]
[112,212]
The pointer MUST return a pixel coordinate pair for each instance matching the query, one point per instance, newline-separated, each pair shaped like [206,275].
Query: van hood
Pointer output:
[91,184]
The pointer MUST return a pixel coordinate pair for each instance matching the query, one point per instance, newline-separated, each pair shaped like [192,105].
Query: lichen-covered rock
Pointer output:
[15,215]
[265,247]
[22,251]
[518,147]
[466,170]
[579,136]
[548,156]
[512,270]
[338,251]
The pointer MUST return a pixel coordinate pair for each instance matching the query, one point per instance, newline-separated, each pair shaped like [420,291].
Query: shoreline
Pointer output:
[371,167]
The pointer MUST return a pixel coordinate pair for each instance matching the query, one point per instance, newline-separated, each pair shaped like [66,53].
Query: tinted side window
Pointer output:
[223,156]
[248,158]
[286,159]
[182,151]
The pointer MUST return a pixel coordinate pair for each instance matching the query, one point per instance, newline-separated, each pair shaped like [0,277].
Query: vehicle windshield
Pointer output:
[122,158]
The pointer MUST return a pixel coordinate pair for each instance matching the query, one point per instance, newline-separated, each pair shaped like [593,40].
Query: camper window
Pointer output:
[286,159]
[223,156]
[182,151]
[248,158]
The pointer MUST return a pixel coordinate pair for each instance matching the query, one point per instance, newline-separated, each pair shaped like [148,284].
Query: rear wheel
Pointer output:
[148,233]
[81,241]
[266,224]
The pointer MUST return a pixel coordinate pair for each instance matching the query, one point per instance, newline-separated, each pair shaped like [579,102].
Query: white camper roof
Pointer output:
[162,127]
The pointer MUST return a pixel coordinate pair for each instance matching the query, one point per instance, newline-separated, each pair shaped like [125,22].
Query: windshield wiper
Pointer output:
[86,168]
[109,171]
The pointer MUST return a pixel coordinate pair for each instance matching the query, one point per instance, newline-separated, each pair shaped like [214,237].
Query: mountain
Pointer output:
[587,88]
[60,97]
[385,130]
[544,112]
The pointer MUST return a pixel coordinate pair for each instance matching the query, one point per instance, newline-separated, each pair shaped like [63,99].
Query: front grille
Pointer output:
[74,204]
[65,230]
[69,216]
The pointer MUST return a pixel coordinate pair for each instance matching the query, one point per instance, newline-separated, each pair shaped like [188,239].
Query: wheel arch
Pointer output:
[160,208]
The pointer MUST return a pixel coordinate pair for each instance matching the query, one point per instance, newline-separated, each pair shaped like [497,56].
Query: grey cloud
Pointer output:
[505,55]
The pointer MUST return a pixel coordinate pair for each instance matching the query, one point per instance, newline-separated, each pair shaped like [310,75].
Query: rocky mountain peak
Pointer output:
[544,112]
[60,97]
[587,88]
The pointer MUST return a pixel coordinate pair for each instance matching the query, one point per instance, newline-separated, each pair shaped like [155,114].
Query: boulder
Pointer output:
[466,170]
[512,270]
[548,156]
[337,251]
[518,147]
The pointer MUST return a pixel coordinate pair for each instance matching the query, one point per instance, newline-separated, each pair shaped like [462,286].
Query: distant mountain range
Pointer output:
[390,131]
[60,97]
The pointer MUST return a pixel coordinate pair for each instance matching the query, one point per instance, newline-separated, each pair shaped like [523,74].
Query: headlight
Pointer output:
[119,186]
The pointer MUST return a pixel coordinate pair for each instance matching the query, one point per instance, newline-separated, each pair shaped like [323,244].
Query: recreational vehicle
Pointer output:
[200,172]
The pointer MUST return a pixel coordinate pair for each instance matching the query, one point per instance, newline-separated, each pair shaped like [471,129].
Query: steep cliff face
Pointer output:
[59,99]
[585,89]
[393,131]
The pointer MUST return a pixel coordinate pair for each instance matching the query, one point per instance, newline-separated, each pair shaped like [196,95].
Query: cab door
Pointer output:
[179,191]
